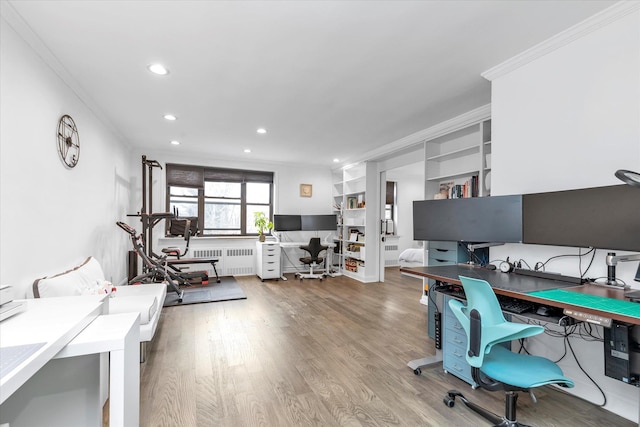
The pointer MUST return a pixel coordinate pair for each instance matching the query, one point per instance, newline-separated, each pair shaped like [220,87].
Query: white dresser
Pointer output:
[268,260]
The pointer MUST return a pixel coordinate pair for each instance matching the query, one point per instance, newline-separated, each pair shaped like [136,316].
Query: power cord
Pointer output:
[569,331]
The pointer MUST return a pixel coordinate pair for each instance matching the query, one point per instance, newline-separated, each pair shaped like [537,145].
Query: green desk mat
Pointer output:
[625,308]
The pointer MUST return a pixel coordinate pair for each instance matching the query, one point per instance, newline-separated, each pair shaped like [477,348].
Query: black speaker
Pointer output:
[132,264]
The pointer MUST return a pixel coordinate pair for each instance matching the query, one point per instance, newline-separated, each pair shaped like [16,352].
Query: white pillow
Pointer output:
[82,280]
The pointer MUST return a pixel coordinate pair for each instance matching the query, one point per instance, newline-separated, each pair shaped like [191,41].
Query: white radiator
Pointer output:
[231,261]
[391,255]
[239,262]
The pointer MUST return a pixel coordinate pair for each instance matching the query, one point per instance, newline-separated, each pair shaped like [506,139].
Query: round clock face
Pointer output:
[68,141]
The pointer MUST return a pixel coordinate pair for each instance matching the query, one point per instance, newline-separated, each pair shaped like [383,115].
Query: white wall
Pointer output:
[569,120]
[52,217]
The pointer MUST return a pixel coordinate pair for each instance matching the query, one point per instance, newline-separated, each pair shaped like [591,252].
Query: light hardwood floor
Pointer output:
[323,353]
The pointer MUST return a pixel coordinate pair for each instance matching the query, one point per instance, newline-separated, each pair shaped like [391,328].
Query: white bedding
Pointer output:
[411,256]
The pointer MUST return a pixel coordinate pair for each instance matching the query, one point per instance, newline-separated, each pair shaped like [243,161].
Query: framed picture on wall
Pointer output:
[305,190]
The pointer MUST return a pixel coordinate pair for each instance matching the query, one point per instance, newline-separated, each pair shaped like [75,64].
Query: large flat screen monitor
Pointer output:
[319,222]
[287,223]
[599,217]
[476,219]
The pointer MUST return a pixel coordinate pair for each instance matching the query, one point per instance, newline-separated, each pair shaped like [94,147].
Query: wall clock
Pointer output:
[68,141]
[305,190]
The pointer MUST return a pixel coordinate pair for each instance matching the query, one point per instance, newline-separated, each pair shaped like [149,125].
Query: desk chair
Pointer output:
[313,260]
[494,367]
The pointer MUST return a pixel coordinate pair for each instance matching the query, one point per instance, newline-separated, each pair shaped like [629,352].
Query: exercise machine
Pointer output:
[155,269]
[172,262]
[175,260]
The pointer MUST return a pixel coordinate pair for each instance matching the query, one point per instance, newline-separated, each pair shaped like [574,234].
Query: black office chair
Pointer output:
[313,260]
[179,227]
[493,366]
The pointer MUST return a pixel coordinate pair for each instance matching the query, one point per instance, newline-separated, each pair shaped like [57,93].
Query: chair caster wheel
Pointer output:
[417,371]
[449,401]
[179,299]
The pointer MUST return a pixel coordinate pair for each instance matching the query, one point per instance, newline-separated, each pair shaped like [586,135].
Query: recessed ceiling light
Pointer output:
[158,69]
[174,142]
[247,150]
[336,160]
[170,117]
[261,130]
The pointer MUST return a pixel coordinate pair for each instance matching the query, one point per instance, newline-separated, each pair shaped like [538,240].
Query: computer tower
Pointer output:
[618,350]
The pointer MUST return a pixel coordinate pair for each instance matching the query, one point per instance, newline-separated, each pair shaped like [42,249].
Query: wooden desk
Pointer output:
[521,287]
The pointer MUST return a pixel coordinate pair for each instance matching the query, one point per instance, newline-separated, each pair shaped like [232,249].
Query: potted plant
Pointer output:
[262,224]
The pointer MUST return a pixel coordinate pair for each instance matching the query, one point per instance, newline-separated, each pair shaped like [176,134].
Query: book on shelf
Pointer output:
[450,190]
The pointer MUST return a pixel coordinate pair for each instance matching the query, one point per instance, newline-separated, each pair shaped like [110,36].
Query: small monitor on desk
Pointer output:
[319,222]
[287,223]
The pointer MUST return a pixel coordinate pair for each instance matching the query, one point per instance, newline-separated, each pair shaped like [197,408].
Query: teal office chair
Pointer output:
[494,367]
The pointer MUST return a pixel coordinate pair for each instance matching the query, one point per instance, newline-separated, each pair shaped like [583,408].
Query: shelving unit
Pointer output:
[354,194]
[458,156]
[455,156]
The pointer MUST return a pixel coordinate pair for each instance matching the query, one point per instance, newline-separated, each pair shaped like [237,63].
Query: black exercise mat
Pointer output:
[226,290]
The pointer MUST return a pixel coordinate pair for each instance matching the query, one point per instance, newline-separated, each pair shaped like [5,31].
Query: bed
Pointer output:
[415,257]
[412,257]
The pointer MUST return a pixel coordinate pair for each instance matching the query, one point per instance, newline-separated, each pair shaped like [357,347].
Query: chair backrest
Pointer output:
[180,227]
[483,321]
[314,247]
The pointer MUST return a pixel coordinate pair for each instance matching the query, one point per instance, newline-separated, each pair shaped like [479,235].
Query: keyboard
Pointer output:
[516,306]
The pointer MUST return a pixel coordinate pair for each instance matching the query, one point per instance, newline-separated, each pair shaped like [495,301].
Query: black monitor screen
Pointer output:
[600,217]
[319,222]
[287,223]
[476,219]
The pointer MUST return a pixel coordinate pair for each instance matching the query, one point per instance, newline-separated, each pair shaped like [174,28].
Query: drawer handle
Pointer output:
[441,260]
[455,353]
[442,250]
[457,341]
[457,326]
[457,368]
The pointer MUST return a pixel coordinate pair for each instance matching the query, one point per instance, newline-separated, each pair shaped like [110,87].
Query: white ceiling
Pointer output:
[328,79]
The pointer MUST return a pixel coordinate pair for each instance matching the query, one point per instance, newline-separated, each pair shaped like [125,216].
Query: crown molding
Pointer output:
[13,18]
[443,128]
[589,25]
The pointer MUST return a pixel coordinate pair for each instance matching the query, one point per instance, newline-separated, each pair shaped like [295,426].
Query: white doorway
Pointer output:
[396,219]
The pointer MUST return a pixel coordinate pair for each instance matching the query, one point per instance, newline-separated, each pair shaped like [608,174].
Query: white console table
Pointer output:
[63,388]
[53,322]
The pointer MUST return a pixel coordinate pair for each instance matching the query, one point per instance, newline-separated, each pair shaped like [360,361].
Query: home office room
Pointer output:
[141,141]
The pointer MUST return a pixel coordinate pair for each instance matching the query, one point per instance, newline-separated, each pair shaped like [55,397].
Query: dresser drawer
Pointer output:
[455,337]
[269,248]
[271,257]
[443,246]
[270,273]
[433,261]
[456,364]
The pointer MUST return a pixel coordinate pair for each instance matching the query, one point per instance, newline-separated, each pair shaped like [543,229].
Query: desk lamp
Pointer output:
[633,179]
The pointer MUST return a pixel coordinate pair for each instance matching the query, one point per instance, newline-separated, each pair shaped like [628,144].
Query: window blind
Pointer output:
[194,176]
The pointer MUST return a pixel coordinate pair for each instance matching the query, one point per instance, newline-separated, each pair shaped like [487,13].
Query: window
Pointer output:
[390,204]
[223,200]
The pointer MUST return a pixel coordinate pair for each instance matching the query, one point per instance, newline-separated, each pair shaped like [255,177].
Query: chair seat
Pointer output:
[310,260]
[171,251]
[522,370]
